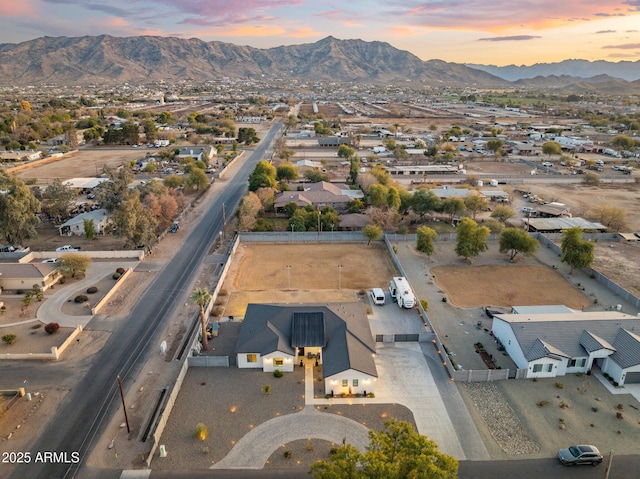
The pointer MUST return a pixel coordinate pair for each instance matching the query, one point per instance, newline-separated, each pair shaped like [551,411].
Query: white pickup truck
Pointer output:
[67,249]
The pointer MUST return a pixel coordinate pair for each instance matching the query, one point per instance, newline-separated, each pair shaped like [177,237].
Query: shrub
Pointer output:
[201,431]
[116,276]
[51,328]
[559,385]
[619,415]
[542,403]
[594,409]
[371,395]
[62,280]
[619,406]
[266,389]
[444,299]
[309,447]
[9,338]
[92,290]
[120,270]
[81,298]
[287,454]
[277,373]
[333,451]
[327,396]
[3,308]
[425,304]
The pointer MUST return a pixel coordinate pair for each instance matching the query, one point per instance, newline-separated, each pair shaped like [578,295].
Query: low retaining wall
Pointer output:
[98,306]
[208,361]
[56,351]
[135,254]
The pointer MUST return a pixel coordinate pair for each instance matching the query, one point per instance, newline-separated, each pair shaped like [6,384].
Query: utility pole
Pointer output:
[224,222]
[124,407]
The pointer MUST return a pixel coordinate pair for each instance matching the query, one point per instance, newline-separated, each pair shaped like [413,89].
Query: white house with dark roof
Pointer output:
[335,335]
[556,344]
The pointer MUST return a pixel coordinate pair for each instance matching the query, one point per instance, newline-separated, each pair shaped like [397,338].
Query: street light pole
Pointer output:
[339,277]
[289,275]
[124,407]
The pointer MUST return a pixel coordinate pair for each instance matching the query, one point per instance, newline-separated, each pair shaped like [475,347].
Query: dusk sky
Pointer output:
[498,32]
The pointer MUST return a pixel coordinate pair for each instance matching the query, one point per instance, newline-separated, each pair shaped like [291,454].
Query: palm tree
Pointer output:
[201,297]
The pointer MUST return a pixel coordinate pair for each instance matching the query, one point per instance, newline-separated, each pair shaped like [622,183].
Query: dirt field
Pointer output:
[260,273]
[85,163]
[476,286]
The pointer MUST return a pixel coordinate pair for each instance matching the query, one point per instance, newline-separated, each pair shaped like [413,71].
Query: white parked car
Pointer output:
[66,249]
[50,260]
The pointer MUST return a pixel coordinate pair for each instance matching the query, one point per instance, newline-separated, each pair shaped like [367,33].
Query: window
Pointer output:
[251,358]
[537,368]
[355,383]
[345,383]
[549,368]
[577,363]
[278,361]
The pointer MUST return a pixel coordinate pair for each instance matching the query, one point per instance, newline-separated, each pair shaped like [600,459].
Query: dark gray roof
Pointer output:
[307,329]
[542,349]
[590,342]
[564,333]
[348,341]
[627,346]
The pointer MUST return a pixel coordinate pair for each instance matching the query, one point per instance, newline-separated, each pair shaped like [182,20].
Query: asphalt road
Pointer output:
[86,409]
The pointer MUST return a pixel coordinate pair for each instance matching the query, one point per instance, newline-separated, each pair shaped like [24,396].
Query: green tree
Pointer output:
[393,198]
[110,194]
[354,169]
[425,201]
[551,148]
[133,222]
[58,199]
[329,218]
[425,238]
[150,130]
[502,213]
[197,179]
[576,252]
[517,240]
[396,452]
[475,203]
[452,207]
[247,136]
[356,206]
[471,239]
[378,195]
[89,229]
[345,151]
[72,263]
[315,176]
[372,232]
[201,297]
[297,222]
[18,208]
[590,179]
[130,133]
[263,175]
[495,146]
[286,172]
[622,142]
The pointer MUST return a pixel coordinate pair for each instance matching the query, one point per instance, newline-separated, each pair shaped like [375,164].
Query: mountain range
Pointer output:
[107,60]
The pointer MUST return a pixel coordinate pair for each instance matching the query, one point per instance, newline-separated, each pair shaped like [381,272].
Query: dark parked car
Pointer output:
[580,455]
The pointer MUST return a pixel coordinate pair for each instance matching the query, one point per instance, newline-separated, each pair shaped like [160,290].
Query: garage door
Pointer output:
[632,378]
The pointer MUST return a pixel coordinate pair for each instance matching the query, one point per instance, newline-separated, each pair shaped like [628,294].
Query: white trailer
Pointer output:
[401,292]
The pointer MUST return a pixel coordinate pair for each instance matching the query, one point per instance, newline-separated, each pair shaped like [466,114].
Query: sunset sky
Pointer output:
[498,32]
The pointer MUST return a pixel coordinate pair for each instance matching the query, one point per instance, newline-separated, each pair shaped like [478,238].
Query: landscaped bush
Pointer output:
[120,270]
[81,298]
[51,328]
[542,403]
[36,326]
[201,431]
[277,373]
[116,276]
[92,290]
[9,338]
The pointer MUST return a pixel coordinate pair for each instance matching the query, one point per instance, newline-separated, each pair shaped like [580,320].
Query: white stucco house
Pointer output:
[556,344]
[334,335]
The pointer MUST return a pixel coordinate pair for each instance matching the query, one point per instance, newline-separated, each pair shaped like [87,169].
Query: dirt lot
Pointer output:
[260,273]
[507,285]
[85,163]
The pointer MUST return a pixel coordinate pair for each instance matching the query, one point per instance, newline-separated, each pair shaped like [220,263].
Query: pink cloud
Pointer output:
[12,8]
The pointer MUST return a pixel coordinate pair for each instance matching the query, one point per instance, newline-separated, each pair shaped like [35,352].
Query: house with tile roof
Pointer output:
[23,276]
[319,195]
[556,344]
[334,335]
